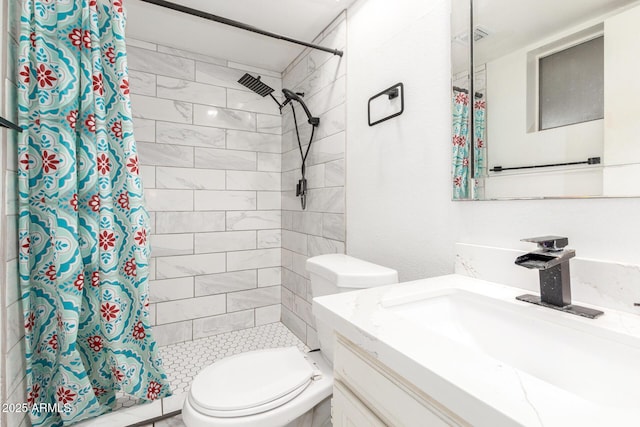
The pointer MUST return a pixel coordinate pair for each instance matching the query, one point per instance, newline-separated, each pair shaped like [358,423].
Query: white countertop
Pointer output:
[482,390]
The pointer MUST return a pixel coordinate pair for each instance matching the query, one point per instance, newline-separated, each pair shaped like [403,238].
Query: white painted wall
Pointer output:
[399,211]
[398,172]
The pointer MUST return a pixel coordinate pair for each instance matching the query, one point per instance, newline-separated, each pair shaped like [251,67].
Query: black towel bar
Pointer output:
[589,161]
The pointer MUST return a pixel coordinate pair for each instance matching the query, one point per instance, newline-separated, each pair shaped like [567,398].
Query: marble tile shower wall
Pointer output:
[320,228]
[12,333]
[211,163]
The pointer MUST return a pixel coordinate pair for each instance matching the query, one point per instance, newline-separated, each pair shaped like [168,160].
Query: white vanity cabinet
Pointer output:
[348,410]
[367,393]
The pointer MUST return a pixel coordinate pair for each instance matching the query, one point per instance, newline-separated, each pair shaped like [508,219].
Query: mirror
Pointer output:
[555,110]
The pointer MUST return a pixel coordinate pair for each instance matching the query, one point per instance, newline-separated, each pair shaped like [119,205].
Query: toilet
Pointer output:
[279,387]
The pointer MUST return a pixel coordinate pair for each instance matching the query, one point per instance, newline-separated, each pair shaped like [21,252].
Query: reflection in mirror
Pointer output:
[464,187]
[555,111]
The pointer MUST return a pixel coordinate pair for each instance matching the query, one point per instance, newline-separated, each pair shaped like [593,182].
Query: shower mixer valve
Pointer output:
[301,187]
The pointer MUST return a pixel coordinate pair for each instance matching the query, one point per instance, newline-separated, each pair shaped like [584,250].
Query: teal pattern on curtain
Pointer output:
[460,136]
[82,225]
[464,187]
[479,146]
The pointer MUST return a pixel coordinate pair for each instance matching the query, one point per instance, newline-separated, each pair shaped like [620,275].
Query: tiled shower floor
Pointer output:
[183,361]
[203,352]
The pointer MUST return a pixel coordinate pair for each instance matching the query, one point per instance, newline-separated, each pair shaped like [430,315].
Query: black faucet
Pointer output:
[552,261]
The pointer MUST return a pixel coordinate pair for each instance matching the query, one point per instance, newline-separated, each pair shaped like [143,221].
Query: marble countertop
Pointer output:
[481,389]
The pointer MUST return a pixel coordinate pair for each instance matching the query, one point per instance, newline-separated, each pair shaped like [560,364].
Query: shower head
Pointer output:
[292,96]
[254,84]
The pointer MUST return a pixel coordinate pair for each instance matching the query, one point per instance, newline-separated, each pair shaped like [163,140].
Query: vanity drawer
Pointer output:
[390,397]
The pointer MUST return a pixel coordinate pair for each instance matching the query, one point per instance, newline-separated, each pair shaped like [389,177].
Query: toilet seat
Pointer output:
[251,383]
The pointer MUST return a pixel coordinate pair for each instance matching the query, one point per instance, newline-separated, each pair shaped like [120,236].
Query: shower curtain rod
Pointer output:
[459,89]
[242,26]
[9,125]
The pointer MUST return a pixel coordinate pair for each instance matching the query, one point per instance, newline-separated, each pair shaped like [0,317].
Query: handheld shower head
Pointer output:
[292,96]
[289,94]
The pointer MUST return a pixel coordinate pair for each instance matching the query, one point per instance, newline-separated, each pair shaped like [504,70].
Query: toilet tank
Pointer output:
[334,273]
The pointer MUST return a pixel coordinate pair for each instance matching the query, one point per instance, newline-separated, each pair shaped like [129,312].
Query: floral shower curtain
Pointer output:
[479,146]
[464,187]
[82,226]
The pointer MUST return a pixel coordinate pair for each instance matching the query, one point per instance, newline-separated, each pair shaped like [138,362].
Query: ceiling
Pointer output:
[515,24]
[298,19]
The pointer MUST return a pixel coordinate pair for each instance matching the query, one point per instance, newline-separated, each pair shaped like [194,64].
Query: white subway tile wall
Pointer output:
[12,365]
[210,151]
[320,228]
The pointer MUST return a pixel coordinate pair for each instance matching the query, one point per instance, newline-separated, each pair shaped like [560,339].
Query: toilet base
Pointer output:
[318,416]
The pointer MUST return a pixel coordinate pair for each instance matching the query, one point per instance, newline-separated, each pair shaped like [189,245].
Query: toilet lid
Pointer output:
[252,382]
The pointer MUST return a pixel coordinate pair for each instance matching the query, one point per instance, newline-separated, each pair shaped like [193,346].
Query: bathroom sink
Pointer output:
[574,354]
